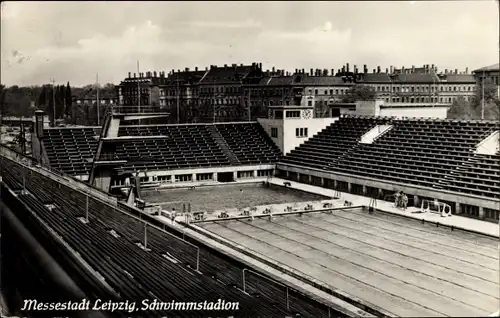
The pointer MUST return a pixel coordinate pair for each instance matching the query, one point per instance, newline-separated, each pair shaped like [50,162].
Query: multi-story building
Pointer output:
[180,94]
[488,74]
[84,110]
[220,92]
[231,92]
[418,85]
[149,85]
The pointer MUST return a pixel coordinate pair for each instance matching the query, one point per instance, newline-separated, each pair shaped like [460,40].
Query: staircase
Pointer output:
[223,145]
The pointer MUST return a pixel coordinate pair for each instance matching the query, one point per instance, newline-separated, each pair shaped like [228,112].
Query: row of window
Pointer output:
[93,102]
[284,91]
[299,132]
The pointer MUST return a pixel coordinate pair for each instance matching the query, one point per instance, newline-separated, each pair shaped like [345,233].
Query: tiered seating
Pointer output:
[418,152]
[137,274]
[187,146]
[326,147]
[250,143]
[479,176]
[70,149]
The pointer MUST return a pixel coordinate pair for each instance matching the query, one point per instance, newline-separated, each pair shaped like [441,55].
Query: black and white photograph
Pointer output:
[250,159]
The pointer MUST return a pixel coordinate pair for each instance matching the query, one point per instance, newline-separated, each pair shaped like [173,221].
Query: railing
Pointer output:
[299,275]
[137,109]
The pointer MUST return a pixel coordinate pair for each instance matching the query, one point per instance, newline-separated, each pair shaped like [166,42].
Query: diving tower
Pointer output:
[105,161]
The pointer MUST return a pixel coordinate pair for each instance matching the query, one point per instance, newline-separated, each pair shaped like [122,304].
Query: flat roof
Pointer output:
[394,263]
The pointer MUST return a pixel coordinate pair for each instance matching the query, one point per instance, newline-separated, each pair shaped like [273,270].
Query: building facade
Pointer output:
[245,92]
[488,74]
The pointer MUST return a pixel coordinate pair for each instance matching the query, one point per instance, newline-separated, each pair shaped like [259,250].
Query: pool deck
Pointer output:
[459,222]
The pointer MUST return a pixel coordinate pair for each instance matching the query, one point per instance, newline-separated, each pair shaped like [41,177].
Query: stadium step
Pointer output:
[223,145]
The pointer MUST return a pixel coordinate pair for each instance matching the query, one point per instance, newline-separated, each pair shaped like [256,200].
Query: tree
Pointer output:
[3,103]
[461,109]
[359,93]
[42,97]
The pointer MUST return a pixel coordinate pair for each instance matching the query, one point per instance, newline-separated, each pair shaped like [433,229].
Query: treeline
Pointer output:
[56,98]
[23,101]
[473,109]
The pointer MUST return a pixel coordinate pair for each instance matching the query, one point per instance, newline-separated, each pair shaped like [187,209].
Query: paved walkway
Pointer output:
[456,221]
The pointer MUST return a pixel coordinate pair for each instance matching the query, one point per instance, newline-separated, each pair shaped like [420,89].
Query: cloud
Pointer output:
[248,23]
[74,40]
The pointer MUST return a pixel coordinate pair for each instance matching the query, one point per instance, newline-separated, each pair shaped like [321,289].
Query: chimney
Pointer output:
[378,69]
[374,71]
[311,74]
[466,70]
[274,70]
[386,70]
[187,69]
[260,65]
[129,74]
[392,69]
[365,69]
[135,76]
[456,71]
[225,65]
[196,68]
[241,64]
[154,74]
[355,69]
[403,70]
[347,67]
[333,72]
[432,67]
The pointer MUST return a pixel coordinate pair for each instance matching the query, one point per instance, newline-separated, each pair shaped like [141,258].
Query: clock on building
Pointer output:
[307,114]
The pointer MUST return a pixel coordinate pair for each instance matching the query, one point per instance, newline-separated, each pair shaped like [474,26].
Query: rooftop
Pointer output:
[494,67]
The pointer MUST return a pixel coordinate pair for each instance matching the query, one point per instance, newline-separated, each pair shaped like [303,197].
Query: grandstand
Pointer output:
[129,253]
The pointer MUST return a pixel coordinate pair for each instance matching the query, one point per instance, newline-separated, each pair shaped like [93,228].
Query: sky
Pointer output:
[74,41]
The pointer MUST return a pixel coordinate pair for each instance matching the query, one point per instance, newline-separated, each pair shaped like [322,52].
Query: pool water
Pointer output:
[210,198]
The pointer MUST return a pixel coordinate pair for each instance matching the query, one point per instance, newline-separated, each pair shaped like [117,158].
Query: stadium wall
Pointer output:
[412,111]
[442,195]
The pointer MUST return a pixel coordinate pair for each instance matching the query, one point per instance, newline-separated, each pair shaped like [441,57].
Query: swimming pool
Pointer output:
[218,197]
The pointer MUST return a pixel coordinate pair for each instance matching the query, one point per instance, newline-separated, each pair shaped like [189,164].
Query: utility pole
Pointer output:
[482,94]
[138,88]
[249,104]
[138,91]
[177,96]
[53,81]
[98,104]
[213,87]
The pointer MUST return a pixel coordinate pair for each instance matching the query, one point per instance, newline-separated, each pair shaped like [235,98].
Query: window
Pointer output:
[331,92]
[292,114]
[309,103]
[301,132]
[336,91]
[274,132]
[315,92]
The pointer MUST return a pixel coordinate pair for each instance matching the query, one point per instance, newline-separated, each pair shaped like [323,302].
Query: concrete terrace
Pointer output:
[456,221]
[396,264]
